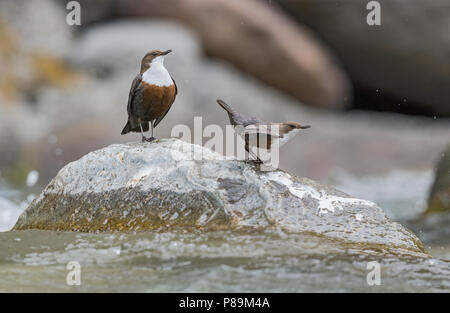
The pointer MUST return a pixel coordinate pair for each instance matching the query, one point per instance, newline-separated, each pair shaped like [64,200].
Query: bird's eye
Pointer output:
[154,53]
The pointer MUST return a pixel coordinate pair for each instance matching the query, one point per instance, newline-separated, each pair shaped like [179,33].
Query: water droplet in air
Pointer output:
[32,178]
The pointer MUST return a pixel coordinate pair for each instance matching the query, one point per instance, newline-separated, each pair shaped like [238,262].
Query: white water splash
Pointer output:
[9,213]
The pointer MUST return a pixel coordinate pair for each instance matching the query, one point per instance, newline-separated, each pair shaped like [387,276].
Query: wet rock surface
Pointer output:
[170,183]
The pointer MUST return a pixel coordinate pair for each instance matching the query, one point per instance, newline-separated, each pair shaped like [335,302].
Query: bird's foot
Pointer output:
[151,139]
[253,161]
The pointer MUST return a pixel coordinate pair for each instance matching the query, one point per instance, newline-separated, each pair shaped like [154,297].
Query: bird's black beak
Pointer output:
[166,52]
[305,127]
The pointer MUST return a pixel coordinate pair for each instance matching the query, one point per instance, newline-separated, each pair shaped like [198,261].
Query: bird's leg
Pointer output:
[144,139]
[142,132]
[250,153]
[256,159]
[151,125]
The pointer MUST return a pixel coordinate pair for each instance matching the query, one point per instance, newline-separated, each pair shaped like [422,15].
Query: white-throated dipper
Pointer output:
[249,128]
[151,95]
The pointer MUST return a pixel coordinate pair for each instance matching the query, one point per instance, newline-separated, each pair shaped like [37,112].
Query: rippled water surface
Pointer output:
[265,260]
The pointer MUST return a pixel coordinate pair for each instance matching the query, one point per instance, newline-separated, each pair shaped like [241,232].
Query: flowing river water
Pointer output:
[264,260]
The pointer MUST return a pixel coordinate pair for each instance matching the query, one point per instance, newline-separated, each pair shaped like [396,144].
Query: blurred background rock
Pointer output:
[439,200]
[376,96]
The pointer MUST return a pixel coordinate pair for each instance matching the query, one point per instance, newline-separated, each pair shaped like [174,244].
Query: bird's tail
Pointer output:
[225,106]
[128,128]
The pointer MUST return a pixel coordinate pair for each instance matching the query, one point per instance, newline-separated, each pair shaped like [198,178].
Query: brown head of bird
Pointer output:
[150,57]
[294,125]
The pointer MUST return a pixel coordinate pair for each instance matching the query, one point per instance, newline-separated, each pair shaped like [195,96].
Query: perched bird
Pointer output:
[250,129]
[151,95]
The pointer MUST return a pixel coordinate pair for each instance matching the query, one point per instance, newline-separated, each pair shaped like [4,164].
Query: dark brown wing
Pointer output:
[132,97]
[159,119]
[263,129]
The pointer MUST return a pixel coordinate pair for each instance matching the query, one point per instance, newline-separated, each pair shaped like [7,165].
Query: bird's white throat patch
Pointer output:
[288,136]
[157,74]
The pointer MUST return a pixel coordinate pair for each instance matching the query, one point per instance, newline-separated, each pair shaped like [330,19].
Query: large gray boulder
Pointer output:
[170,183]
